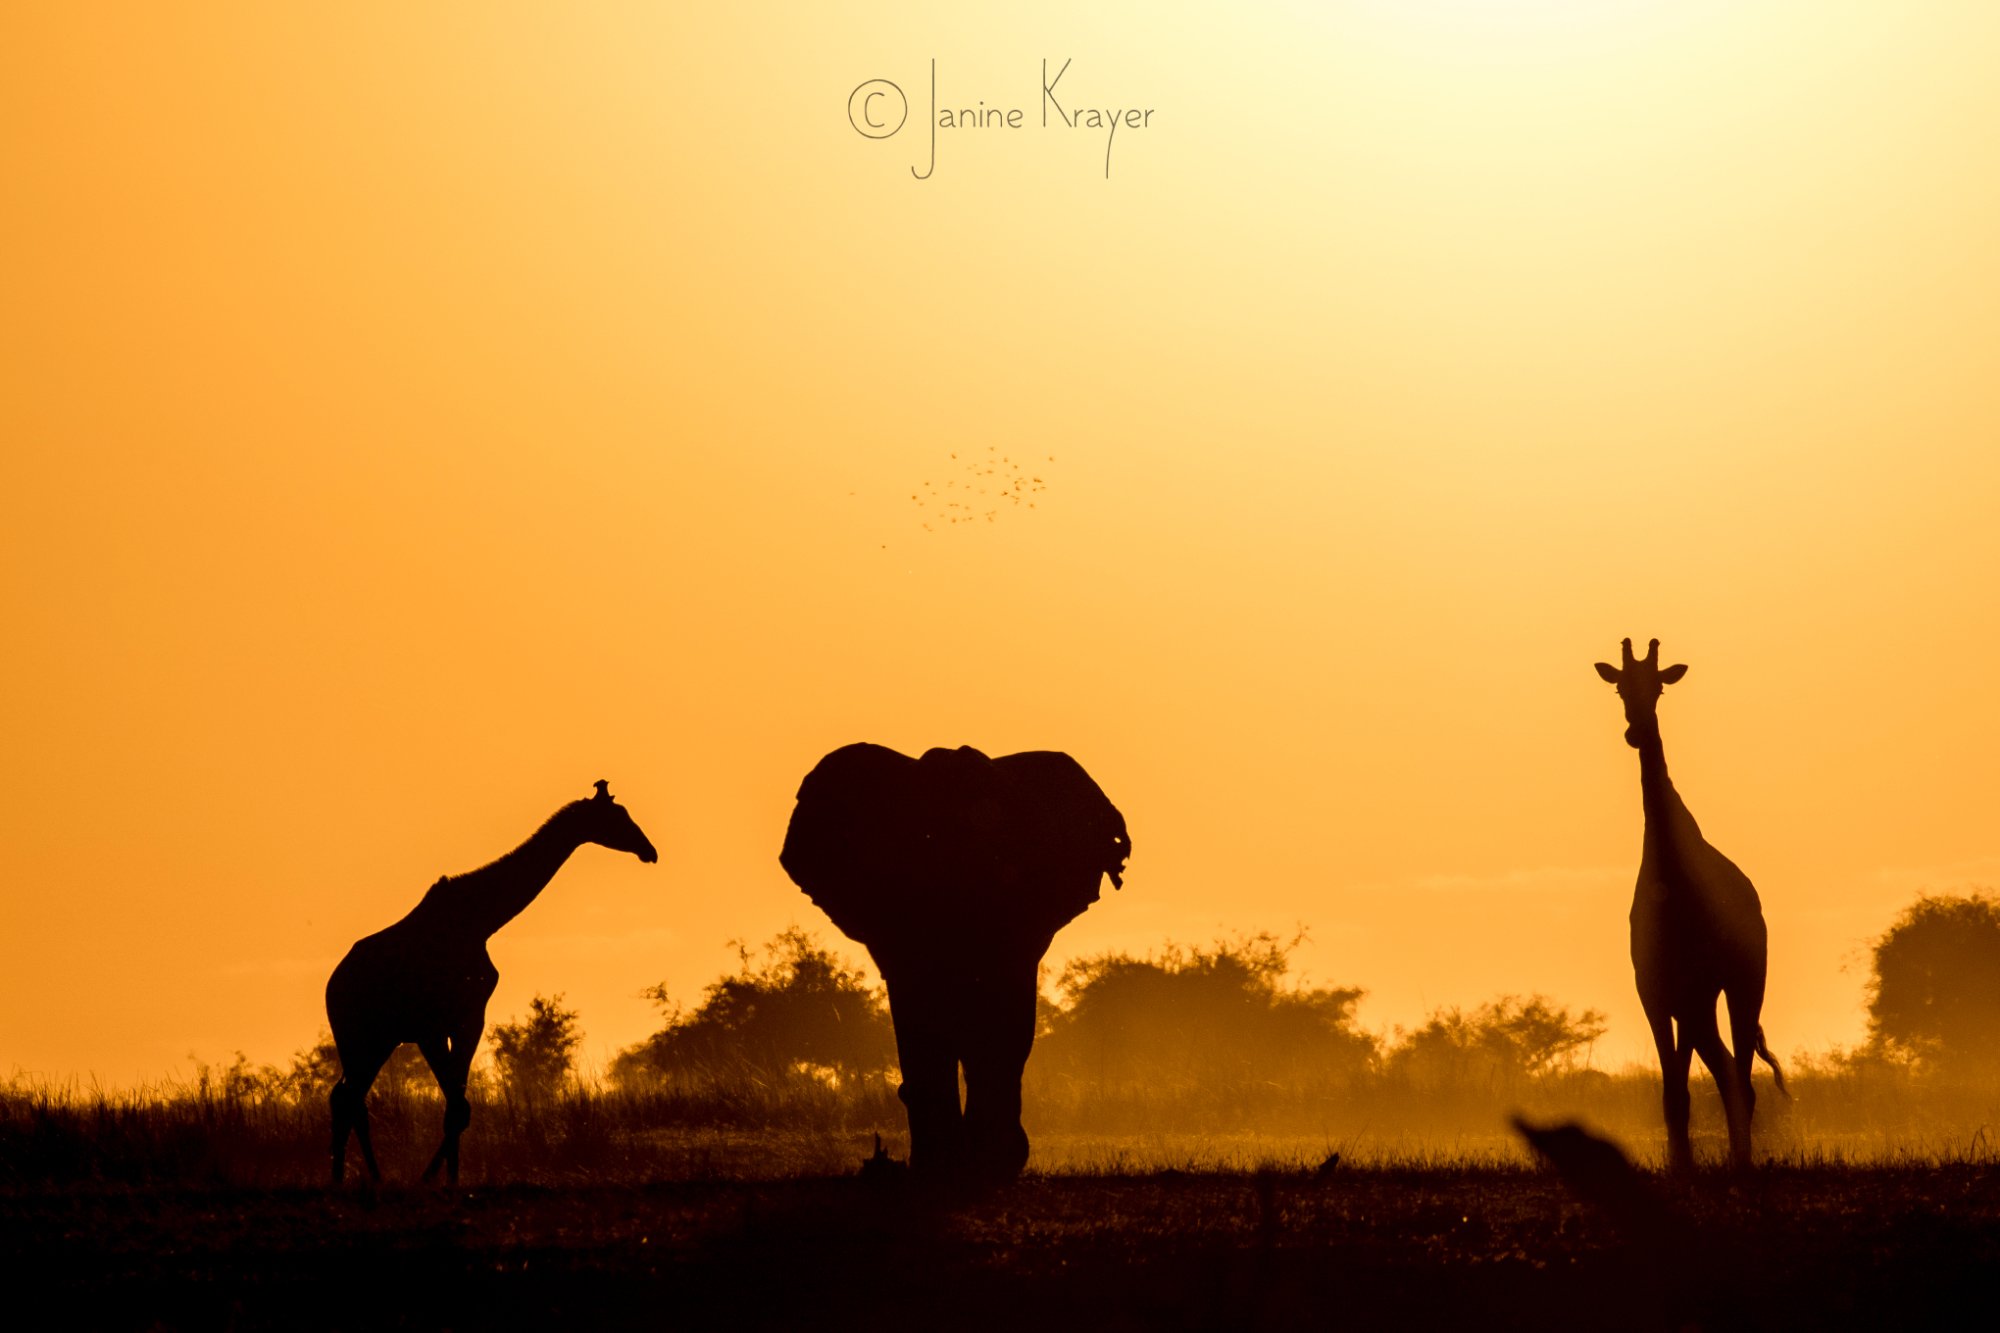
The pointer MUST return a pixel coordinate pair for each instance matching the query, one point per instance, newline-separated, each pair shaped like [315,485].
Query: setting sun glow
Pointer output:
[414,415]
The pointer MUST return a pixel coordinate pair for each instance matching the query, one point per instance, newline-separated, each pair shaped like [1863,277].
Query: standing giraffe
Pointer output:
[1697,931]
[427,978]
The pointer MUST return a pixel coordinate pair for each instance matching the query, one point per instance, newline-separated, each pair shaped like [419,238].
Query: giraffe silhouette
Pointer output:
[1697,931]
[427,978]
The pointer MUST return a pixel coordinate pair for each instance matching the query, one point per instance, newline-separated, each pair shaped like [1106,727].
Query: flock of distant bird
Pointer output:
[990,486]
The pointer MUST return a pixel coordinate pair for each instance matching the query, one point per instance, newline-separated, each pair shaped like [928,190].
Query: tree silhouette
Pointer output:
[1498,1046]
[802,1006]
[535,1054]
[1220,1019]
[1935,995]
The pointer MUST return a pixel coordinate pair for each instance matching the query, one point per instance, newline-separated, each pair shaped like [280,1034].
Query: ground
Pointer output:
[1407,1248]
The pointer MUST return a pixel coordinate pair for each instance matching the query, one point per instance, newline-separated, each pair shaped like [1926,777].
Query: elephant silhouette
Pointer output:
[956,870]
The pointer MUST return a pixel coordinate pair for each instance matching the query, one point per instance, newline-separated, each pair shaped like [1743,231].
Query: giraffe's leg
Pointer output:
[922,1010]
[343,1125]
[463,1045]
[437,1054]
[1000,1029]
[450,1059]
[341,1103]
[1673,1087]
[1707,1040]
[1744,1011]
[349,1104]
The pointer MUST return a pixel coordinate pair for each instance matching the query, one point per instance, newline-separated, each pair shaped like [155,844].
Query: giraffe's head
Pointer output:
[1640,682]
[606,823]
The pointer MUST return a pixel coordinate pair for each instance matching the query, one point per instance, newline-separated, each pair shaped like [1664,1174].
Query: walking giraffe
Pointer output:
[427,978]
[1697,931]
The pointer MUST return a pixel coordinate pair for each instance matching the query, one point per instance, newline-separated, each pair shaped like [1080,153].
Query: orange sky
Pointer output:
[412,416]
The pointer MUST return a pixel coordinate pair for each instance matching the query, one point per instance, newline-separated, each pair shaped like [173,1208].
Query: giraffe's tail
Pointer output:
[1776,1073]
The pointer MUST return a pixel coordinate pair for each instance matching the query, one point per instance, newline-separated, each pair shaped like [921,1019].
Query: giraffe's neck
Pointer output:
[1669,824]
[483,900]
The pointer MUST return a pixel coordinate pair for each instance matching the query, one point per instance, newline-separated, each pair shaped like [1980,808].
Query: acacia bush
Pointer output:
[1500,1047]
[1192,1036]
[799,1013]
[536,1054]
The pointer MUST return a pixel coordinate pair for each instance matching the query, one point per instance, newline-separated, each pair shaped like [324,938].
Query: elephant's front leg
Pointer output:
[923,1010]
[999,1031]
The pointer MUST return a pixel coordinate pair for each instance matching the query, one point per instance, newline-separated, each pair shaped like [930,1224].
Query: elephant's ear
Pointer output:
[1075,836]
[849,839]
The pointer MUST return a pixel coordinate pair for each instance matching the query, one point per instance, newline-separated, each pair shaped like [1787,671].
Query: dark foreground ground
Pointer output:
[1472,1248]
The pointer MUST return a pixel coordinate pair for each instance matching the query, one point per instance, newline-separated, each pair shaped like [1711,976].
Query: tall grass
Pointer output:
[222,1131]
[234,1127]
